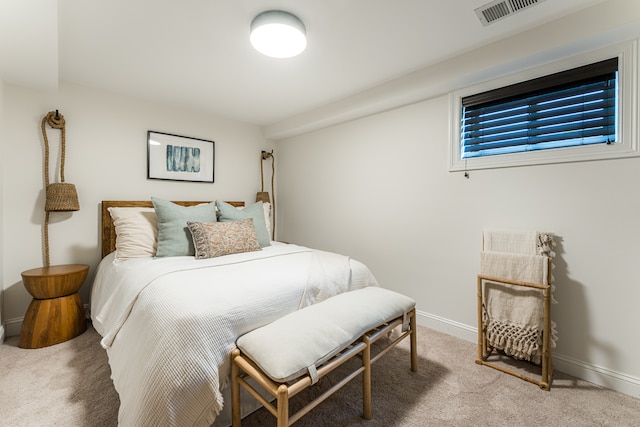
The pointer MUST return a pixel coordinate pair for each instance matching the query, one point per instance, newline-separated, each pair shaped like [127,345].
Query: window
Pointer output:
[566,109]
[568,115]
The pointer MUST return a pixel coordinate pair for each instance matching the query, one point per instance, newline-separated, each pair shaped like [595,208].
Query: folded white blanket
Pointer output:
[508,241]
[518,242]
[519,267]
[514,320]
[514,315]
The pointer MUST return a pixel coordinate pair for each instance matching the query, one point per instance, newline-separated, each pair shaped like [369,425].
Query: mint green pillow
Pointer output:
[255,211]
[174,237]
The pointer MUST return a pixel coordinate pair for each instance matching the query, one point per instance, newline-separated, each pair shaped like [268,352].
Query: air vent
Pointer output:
[499,9]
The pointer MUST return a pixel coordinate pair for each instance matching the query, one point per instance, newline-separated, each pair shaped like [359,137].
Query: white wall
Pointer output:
[377,188]
[2,327]
[106,160]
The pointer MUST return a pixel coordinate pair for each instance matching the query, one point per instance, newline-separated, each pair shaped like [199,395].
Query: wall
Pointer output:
[2,327]
[377,188]
[106,160]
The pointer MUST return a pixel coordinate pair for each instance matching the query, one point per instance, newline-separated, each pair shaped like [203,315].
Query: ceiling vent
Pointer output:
[499,9]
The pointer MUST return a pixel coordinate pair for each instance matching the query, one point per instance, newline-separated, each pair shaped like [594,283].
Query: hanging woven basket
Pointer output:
[61,197]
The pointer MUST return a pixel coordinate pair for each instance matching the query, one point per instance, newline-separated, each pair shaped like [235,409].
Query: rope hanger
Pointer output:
[60,196]
[56,121]
[264,196]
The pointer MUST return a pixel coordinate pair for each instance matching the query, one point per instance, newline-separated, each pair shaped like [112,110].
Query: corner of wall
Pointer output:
[2,280]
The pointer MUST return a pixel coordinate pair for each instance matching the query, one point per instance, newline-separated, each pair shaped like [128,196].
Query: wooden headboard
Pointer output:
[108,229]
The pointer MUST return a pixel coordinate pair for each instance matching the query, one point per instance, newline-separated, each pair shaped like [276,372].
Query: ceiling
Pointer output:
[196,53]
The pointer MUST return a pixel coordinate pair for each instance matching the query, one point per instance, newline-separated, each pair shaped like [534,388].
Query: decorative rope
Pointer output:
[56,121]
[273,196]
[265,156]
[262,172]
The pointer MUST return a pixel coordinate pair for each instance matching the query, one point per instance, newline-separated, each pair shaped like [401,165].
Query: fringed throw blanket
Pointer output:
[514,315]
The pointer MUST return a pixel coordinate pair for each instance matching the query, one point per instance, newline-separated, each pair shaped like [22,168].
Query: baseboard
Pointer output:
[599,375]
[12,327]
[449,327]
[2,334]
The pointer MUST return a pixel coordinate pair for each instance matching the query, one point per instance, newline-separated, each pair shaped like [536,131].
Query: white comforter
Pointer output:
[168,324]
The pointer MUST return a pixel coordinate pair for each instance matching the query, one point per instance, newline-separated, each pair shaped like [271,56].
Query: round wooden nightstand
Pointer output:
[56,313]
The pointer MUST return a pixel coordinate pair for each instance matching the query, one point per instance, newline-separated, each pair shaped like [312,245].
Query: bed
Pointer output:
[169,323]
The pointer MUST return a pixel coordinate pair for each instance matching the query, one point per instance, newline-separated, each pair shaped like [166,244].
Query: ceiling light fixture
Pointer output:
[278,34]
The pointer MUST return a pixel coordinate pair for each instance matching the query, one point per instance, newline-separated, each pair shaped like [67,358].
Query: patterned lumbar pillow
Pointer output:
[213,239]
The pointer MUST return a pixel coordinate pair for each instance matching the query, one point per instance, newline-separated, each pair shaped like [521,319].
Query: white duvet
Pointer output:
[168,324]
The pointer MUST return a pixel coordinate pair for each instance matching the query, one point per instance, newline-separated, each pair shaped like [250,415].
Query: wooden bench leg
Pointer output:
[366,379]
[283,406]
[414,345]
[235,391]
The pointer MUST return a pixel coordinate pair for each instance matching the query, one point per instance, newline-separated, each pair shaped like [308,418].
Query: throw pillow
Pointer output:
[255,211]
[213,239]
[136,232]
[174,238]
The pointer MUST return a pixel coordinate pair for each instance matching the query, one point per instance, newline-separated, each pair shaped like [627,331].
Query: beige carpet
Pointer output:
[68,385]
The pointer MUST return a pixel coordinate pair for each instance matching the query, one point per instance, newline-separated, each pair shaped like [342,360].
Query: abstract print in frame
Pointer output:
[179,158]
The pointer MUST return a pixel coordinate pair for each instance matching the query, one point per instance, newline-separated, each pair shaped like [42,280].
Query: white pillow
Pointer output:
[136,232]
[267,216]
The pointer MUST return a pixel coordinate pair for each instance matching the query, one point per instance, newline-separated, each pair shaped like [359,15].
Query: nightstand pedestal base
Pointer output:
[56,313]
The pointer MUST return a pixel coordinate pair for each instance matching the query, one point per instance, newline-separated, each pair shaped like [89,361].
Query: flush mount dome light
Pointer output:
[278,34]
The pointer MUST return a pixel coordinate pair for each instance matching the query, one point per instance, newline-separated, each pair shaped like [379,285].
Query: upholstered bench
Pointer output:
[292,353]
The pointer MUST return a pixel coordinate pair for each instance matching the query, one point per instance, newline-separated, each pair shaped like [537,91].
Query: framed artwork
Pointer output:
[179,158]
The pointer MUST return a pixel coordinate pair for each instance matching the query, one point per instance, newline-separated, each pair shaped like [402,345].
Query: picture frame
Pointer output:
[179,158]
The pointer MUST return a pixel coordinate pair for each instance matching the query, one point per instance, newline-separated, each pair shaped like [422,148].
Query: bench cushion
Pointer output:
[286,348]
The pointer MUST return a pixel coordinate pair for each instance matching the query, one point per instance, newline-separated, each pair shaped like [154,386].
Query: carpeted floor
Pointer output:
[68,385]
